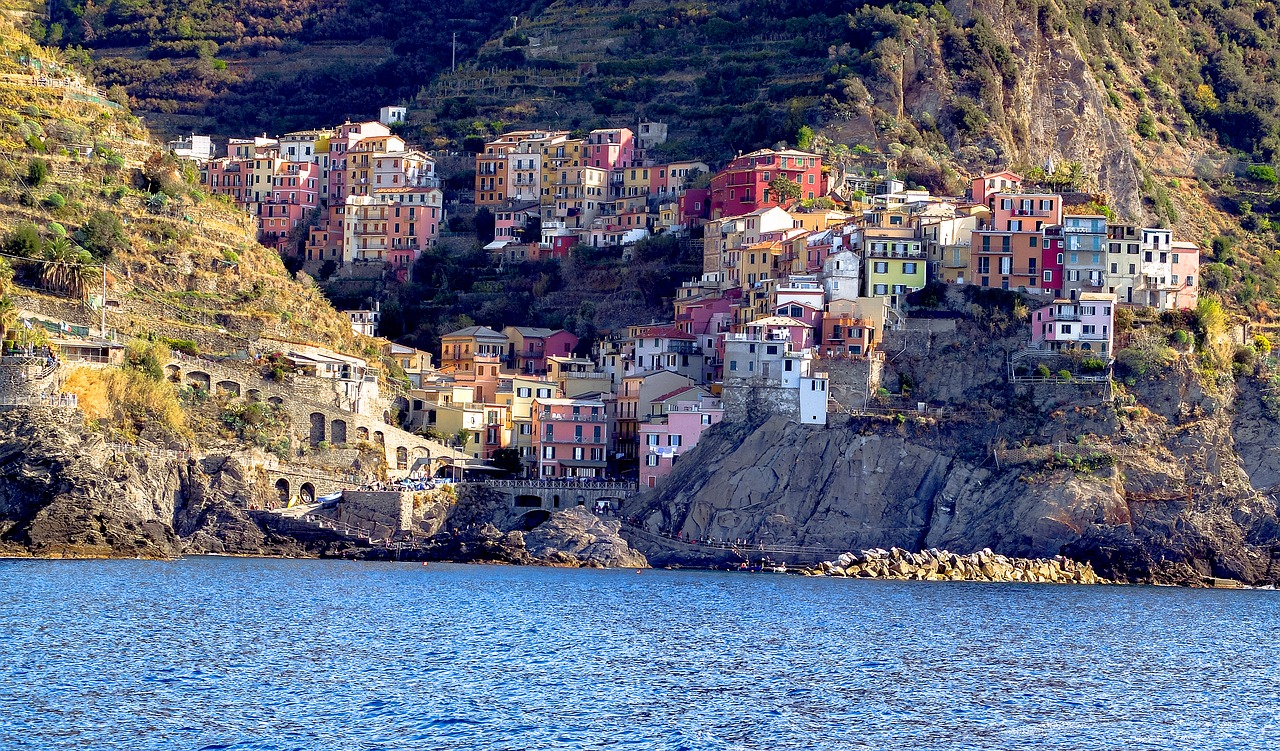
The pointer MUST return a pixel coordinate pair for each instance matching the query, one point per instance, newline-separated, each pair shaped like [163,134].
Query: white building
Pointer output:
[392,115]
[199,148]
[765,375]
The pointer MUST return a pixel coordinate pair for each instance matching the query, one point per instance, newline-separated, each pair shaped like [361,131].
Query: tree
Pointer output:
[25,242]
[1262,173]
[102,235]
[8,316]
[37,172]
[784,189]
[508,460]
[804,138]
[68,269]
[485,224]
[6,276]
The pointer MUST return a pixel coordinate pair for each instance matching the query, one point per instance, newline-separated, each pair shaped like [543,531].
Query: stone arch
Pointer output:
[282,491]
[386,416]
[555,501]
[308,492]
[199,379]
[317,427]
[338,431]
[532,519]
[275,400]
[173,373]
[528,501]
[582,500]
[254,395]
[362,433]
[613,501]
[402,457]
[229,387]
[379,438]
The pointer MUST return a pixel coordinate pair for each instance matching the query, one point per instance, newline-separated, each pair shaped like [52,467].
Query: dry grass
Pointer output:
[129,402]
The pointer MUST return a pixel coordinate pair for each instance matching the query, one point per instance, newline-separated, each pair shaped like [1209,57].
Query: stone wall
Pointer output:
[851,381]
[753,402]
[382,513]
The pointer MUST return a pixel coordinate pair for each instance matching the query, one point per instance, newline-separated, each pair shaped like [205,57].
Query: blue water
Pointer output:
[211,653]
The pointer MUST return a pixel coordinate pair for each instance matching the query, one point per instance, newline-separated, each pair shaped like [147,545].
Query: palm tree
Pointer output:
[8,316]
[6,276]
[69,269]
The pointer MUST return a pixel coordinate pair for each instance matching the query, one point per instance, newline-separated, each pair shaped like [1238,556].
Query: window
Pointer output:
[908,268]
[1114,267]
[1059,259]
[548,452]
[706,419]
[1048,276]
[733,365]
[673,440]
[544,393]
[1175,257]
[881,289]
[651,439]
[881,267]
[524,392]
[651,460]
[1006,265]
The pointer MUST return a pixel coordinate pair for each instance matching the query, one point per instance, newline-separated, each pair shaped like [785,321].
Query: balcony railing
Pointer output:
[574,418]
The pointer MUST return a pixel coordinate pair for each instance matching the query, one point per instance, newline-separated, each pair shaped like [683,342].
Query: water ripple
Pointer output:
[247,654]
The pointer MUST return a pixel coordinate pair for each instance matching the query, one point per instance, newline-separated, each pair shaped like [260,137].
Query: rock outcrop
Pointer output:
[940,565]
[65,493]
[481,526]
[1182,491]
[577,535]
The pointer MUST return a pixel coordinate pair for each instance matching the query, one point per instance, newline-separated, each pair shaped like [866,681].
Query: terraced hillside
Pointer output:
[78,170]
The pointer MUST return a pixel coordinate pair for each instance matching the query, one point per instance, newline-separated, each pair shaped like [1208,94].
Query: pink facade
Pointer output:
[1086,324]
[571,437]
[695,206]
[1051,261]
[664,439]
[1186,274]
[609,148]
[1025,212]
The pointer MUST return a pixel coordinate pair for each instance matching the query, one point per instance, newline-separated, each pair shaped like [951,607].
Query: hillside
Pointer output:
[79,170]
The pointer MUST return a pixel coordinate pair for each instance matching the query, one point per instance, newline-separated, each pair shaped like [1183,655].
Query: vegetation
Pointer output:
[134,401]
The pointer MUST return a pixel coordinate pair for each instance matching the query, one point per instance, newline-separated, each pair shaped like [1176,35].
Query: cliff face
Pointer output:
[64,492]
[860,486]
[1175,490]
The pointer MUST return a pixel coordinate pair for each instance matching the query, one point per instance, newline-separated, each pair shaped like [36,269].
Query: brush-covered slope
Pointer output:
[80,172]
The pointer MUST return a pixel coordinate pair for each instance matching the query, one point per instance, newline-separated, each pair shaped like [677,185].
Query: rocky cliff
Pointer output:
[65,492]
[1168,479]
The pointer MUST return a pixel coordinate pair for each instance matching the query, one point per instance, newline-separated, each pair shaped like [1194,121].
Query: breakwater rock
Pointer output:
[941,565]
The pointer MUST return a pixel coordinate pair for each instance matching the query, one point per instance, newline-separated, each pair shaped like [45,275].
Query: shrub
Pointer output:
[25,241]
[1093,364]
[1262,173]
[1180,337]
[1064,374]
[1262,344]
[1146,126]
[102,235]
[55,201]
[1042,370]
[37,173]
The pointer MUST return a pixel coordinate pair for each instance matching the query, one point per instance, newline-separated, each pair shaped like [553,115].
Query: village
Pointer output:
[806,266]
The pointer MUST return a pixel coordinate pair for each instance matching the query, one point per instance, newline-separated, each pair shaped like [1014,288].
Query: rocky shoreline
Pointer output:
[941,565]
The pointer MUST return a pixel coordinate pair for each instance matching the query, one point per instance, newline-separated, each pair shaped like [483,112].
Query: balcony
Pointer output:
[574,418]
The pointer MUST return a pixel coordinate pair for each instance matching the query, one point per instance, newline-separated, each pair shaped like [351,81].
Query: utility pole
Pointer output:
[454,68]
[102,314]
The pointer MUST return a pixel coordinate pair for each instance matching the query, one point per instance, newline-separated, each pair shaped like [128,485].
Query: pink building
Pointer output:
[529,347]
[1051,261]
[295,190]
[609,148]
[1086,324]
[571,437]
[1186,274]
[694,206]
[687,414]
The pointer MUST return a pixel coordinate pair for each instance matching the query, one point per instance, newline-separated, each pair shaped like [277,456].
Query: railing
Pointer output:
[575,418]
[154,453]
[60,401]
[575,484]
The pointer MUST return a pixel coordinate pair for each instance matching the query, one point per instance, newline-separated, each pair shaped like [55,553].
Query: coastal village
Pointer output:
[806,266]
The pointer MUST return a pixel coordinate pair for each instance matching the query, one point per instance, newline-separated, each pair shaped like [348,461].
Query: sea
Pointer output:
[243,653]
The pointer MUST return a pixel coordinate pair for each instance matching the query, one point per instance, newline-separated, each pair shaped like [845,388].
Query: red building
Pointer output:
[743,186]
